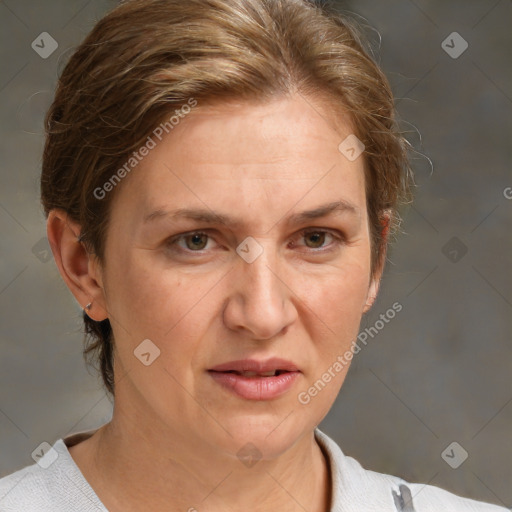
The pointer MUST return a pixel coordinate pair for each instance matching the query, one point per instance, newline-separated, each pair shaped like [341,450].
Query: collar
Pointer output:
[354,489]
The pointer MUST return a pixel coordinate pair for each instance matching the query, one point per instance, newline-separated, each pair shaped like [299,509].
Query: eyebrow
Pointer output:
[211,217]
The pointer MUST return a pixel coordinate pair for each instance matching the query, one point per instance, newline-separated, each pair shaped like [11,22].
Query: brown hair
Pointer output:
[147,57]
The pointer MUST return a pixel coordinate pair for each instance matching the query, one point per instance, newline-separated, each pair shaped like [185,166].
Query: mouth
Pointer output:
[256,380]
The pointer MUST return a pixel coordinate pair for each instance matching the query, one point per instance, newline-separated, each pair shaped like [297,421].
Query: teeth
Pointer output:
[255,374]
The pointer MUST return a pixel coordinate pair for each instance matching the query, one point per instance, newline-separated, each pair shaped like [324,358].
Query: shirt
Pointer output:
[55,484]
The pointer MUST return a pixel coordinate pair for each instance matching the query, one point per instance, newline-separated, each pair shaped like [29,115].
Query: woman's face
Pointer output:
[294,290]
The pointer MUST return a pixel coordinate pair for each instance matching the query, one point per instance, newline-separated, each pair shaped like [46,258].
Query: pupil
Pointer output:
[317,238]
[198,241]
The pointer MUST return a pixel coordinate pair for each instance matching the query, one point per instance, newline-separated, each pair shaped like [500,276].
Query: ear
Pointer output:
[80,270]
[373,290]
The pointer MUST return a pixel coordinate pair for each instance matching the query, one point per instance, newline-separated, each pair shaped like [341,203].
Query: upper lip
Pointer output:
[252,365]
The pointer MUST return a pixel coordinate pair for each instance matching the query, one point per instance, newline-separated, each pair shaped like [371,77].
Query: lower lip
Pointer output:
[256,388]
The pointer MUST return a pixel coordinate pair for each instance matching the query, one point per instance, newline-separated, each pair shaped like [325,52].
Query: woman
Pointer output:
[220,179]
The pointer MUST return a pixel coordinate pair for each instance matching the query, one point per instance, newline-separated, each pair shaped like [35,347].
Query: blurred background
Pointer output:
[429,398]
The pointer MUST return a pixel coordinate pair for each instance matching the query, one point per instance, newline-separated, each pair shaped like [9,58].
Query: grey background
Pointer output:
[438,372]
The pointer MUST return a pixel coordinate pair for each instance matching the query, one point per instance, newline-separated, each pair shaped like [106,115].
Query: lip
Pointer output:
[252,365]
[256,387]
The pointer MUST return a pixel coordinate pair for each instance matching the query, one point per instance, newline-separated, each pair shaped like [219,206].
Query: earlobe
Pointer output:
[75,264]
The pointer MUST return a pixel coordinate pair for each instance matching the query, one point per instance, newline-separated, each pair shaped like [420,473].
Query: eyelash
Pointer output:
[339,239]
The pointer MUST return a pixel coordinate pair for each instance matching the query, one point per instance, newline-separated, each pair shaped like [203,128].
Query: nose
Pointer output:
[261,303]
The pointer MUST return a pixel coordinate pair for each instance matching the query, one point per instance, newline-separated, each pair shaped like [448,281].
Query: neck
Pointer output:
[132,467]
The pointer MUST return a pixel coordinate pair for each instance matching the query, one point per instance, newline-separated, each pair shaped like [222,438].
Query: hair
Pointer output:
[147,57]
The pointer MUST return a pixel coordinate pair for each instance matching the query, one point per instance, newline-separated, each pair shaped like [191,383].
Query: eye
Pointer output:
[194,242]
[316,238]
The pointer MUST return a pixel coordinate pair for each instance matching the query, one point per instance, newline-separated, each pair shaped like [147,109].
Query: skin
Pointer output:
[175,433]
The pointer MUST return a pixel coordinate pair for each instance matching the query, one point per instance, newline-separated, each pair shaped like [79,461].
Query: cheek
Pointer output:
[339,296]
[157,302]
[172,308]
[337,303]
[141,300]
[164,307]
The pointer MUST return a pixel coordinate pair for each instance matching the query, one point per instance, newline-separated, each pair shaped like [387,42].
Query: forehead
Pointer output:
[260,157]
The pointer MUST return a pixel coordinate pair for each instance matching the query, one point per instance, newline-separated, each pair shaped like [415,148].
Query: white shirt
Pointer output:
[55,484]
